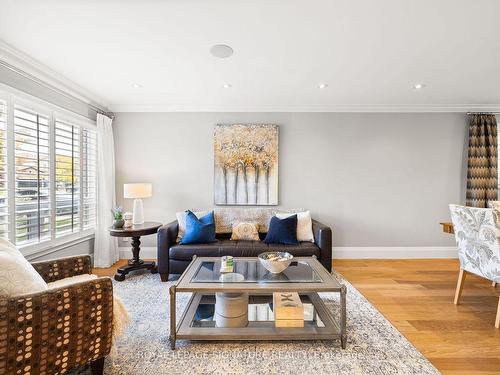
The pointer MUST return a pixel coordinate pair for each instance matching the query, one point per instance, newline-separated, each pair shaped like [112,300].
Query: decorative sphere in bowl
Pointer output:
[275,261]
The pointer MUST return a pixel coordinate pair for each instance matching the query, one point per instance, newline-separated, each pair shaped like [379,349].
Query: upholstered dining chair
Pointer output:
[477,234]
[61,328]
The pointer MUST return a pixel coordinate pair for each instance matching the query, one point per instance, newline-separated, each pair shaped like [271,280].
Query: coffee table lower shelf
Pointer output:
[330,328]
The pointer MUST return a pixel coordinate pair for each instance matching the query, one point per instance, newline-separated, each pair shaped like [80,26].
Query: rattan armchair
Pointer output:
[54,331]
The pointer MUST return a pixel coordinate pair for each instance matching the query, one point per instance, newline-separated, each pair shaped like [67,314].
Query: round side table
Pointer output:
[135,232]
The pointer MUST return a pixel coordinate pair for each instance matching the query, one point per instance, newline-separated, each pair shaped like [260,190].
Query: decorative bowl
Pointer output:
[275,261]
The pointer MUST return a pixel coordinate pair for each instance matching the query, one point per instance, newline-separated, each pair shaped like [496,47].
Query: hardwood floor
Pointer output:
[416,296]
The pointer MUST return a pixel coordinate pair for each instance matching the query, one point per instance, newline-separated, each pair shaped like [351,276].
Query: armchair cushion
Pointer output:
[17,275]
[71,280]
[120,313]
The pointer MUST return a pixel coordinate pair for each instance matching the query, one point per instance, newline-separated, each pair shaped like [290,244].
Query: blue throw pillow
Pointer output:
[282,231]
[200,230]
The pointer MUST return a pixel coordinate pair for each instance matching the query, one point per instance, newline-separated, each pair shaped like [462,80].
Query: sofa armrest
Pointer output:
[57,269]
[56,330]
[166,237]
[323,239]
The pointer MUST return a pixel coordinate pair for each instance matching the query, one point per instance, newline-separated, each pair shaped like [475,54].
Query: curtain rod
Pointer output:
[42,83]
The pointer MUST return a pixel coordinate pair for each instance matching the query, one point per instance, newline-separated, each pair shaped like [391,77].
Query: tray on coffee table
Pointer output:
[305,276]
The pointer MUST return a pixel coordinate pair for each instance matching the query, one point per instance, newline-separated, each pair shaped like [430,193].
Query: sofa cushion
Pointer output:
[121,318]
[239,249]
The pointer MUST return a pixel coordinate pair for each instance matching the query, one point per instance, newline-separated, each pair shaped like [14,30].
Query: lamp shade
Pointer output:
[141,190]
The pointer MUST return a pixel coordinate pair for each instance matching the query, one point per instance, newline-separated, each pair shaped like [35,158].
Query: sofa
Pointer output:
[173,258]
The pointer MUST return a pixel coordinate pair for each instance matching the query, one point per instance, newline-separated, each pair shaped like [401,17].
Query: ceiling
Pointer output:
[370,53]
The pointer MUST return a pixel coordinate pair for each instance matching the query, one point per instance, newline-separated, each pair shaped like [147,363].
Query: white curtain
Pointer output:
[105,246]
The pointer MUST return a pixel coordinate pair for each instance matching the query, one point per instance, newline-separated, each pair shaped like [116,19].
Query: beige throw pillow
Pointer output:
[17,275]
[304,225]
[245,231]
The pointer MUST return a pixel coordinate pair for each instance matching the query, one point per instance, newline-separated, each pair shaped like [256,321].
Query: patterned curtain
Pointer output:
[482,162]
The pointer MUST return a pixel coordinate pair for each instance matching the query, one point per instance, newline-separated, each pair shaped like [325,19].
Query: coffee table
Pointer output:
[305,276]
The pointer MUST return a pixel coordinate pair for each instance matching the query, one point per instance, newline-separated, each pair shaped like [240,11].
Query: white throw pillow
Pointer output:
[181,219]
[304,225]
[17,275]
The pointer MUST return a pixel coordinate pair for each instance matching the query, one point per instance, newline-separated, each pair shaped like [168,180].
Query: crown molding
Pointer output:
[19,61]
[354,108]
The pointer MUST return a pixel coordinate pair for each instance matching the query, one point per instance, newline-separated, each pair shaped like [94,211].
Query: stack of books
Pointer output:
[288,310]
[226,264]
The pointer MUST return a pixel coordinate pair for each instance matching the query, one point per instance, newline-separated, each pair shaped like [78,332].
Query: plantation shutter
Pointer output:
[4,206]
[67,177]
[32,176]
[89,177]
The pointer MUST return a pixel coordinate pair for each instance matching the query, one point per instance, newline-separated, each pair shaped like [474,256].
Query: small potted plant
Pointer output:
[117,217]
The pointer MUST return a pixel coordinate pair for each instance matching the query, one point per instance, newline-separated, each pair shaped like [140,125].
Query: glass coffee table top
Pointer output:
[251,271]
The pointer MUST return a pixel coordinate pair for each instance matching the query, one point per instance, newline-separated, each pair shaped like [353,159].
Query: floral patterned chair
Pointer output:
[477,234]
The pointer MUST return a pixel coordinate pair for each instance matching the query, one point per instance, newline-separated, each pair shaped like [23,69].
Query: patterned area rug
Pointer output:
[374,345]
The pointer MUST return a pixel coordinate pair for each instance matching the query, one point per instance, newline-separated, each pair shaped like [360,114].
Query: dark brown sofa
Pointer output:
[174,258]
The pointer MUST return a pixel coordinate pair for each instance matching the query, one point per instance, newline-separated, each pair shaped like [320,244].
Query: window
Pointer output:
[47,173]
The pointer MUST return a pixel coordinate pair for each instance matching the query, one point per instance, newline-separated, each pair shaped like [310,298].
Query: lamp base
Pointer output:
[138,215]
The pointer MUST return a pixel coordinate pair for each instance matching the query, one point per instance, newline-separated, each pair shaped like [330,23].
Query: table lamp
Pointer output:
[137,191]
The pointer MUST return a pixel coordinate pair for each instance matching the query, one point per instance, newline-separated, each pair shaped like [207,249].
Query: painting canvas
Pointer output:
[246,164]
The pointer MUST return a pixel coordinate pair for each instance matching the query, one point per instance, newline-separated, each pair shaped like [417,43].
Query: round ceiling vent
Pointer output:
[221,51]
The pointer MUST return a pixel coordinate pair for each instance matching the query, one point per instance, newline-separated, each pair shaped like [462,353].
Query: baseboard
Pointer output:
[146,252]
[404,252]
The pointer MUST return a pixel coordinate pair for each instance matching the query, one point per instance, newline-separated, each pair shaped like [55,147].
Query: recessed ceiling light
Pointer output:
[227,85]
[322,85]
[418,86]
[137,86]
[221,51]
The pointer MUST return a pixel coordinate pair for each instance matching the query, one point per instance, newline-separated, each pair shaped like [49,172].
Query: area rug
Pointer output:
[374,346]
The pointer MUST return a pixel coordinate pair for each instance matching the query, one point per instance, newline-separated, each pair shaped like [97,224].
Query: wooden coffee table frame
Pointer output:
[334,328]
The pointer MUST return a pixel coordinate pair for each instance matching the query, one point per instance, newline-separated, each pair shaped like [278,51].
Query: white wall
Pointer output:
[380,180]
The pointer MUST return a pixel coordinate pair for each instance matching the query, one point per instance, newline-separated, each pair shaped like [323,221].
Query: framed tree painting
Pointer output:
[246,165]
